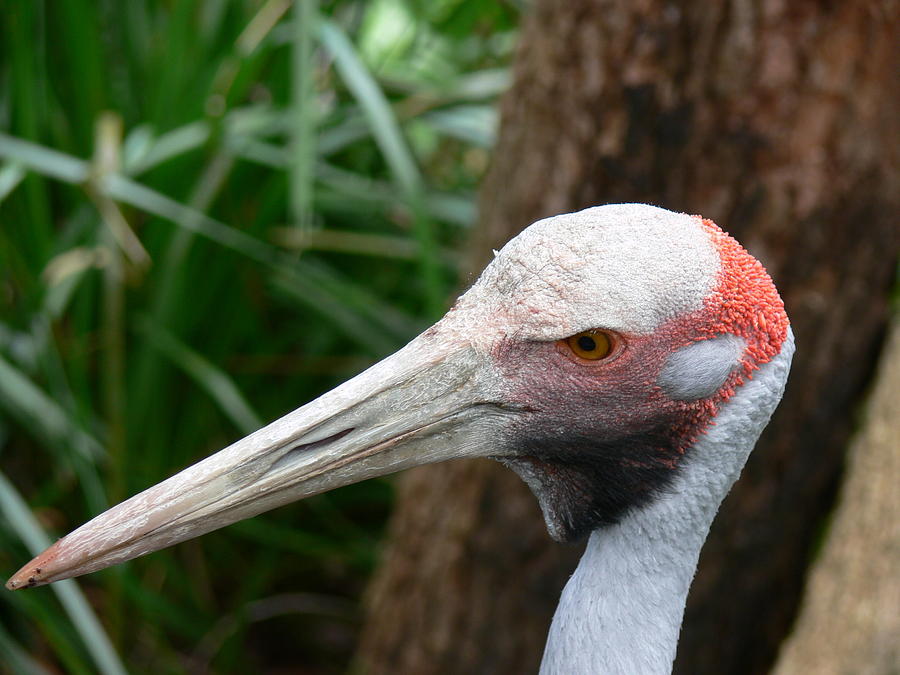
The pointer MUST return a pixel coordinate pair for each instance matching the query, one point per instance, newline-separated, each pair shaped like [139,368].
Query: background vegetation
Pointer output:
[209,213]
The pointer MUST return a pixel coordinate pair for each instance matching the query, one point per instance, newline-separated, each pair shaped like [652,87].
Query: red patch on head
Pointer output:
[744,302]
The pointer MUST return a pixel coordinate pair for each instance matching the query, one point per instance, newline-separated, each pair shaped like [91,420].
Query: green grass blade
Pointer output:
[25,75]
[375,106]
[259,152]
[184,139]
[357,326]
[16,659]
[241,120]
[389,137]
[57,430]
[54,627]
[473,124]
[303,149]
[11,175]
[358,191]
[126,190]
[172,276]
[73,601]
[43,160]
[307,278]
[356,243]
[39,413]
[337,137]
[220,387]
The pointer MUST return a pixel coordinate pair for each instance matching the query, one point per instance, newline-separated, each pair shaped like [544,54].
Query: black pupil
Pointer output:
[587,343]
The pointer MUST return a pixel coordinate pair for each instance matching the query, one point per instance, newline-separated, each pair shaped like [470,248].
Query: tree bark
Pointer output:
[850,623]
[774,119]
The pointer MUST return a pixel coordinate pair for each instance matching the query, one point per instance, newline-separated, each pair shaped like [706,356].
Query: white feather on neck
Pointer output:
[621,611]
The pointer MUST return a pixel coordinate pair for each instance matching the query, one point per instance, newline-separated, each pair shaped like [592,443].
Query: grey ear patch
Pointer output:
[698,370]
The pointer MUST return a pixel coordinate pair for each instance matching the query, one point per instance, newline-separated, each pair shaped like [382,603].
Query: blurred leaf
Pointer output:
[303,114]
[55,628]
[11,175]
[17,659]
[16,512]
[208,377]
[390,139]
[356,243]
[473,124]
[142,152]
[50,163]
[239,118]
[375,107]
[41,415]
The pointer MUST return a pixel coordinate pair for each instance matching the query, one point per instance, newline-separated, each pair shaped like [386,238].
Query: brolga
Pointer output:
[623,360]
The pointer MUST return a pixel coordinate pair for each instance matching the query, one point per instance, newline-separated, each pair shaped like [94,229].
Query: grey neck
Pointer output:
[621,611]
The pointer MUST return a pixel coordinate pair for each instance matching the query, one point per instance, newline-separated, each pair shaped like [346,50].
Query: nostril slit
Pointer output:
[318,444]
[295,452]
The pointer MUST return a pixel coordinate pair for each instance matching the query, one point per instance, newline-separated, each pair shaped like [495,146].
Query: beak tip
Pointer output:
[27,577]
[35,573]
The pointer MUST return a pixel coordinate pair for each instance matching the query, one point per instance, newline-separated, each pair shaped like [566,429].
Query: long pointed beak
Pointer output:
[429,402]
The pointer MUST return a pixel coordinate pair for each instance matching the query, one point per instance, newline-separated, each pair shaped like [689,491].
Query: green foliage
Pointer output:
[210,212]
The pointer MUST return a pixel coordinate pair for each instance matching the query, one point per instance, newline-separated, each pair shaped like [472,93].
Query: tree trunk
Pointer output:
[776,120]
[850,619]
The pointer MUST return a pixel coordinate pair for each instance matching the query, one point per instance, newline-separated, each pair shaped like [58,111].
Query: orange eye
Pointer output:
[592,345]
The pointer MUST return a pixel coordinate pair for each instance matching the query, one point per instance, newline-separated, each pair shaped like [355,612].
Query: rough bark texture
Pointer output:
[850,618]
[776,119]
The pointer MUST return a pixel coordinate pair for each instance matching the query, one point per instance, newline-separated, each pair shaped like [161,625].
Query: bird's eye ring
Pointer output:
[591,345]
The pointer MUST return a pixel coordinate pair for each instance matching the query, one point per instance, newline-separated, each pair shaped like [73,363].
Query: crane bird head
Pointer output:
[589,357]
